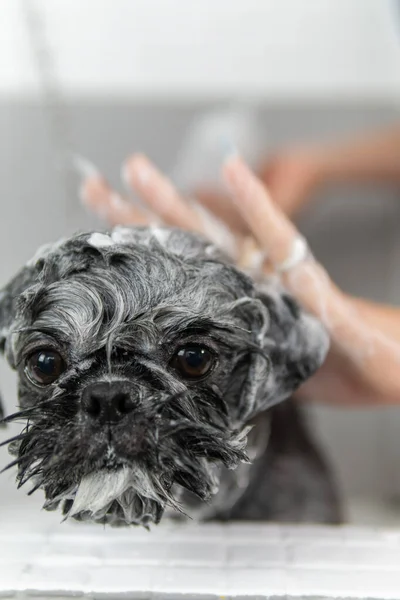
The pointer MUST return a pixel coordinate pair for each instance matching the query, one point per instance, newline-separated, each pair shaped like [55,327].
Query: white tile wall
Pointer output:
[287,49]
[41,556]
[17,66]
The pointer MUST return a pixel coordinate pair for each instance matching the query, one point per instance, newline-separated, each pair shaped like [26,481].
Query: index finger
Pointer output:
[159,193]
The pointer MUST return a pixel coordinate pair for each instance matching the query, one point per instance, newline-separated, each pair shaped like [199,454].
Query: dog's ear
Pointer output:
[290,345]
[9,296]
[8,302]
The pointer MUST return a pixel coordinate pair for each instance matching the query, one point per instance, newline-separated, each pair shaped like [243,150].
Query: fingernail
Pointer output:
[141,169]
[143,173]
[228,149]
[84,166]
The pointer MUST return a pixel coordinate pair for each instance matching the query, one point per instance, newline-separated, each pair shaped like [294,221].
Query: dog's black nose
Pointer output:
[107,402]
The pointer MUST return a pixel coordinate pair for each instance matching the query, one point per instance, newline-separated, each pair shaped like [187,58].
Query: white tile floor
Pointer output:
[41,557]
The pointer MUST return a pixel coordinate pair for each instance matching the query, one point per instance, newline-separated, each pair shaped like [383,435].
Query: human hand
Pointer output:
[363,364]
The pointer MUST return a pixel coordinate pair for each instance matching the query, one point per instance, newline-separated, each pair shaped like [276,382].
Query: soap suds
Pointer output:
[100,240]
[298,253]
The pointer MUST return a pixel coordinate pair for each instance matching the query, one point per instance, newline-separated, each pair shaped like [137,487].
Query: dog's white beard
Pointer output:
[131,487]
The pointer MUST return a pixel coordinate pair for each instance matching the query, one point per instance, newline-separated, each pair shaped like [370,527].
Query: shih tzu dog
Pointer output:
[151,376]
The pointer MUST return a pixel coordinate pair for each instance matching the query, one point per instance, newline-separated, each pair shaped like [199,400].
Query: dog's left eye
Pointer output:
[44,367]
[193,361]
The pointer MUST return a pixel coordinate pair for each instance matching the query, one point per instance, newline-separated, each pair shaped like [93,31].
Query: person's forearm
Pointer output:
[371,157]
[383,317]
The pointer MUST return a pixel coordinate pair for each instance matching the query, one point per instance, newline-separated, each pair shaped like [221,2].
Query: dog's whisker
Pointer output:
[28,474]
[15,417]
[15,438]
[35,488]
[26,412]
[17,461]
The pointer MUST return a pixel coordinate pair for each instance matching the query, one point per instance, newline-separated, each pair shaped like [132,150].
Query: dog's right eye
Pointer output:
[44,367]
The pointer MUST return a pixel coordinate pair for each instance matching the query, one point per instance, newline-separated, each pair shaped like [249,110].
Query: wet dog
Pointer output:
[152,375]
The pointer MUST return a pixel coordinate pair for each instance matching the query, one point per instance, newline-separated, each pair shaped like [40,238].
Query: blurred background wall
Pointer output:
[103,78]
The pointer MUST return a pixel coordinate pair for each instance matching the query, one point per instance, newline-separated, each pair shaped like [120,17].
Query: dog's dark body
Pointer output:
[142,358]
[287,481]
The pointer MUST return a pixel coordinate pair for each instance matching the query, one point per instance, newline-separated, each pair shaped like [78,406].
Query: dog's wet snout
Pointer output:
[108,402]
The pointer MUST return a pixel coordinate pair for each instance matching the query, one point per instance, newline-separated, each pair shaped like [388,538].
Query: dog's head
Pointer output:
[141,356]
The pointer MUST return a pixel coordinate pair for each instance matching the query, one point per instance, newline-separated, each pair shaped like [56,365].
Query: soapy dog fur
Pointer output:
[151,377]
